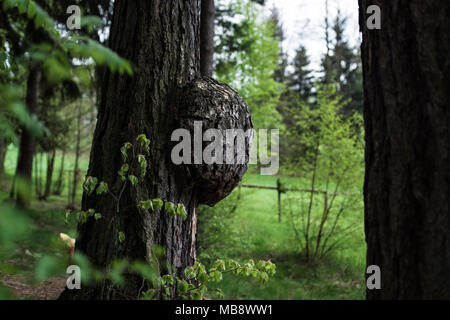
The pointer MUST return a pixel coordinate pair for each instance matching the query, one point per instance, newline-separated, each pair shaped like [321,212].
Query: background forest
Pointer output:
[307,220]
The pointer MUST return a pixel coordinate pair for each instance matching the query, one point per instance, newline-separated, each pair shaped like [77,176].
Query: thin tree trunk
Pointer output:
[77,156]
[311,201]
[207,38]
[50,166]
[327,58]
[406,68]
[27,144]
[59,183]
[3,150]
[36,176]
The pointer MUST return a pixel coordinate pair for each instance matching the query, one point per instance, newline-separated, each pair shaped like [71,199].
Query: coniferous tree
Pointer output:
[301,80]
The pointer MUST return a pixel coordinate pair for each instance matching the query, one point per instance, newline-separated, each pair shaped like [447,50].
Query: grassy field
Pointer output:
[252,231]
[257,234]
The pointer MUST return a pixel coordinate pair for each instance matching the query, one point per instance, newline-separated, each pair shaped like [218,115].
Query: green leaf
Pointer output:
[144,142]
[168,279]
[82,216]
[117,271]
[182,286]
[22,6]
[124,149]
[219,264]
[102,188]
[157,203]
[66,220]
[202,277]
[146,205]
[143,164]
[123,171]
[219,294]
[133,179]
[89,185]
[181,211]
[31,9]
[169,208]
[148,295]
[91,22]
[97,216]
[7,4]
[121,237]
[189,273]
[216,275]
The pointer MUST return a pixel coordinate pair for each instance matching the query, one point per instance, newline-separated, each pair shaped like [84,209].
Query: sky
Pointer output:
[303,22]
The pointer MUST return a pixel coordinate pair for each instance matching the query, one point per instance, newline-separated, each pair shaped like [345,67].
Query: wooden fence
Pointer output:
[281,190]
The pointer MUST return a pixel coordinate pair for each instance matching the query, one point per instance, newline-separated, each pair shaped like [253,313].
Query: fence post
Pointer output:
[279,199]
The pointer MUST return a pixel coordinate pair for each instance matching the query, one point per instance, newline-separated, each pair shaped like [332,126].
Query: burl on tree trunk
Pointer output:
[161,39]
[406,68]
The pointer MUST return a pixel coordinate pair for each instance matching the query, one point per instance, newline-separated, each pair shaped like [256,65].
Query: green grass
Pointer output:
[67,181]
[253,231]
[45,221]
[338,276]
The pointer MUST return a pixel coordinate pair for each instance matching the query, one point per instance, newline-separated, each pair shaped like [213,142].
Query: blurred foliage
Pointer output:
[29,34]
[247,54]
[332,153]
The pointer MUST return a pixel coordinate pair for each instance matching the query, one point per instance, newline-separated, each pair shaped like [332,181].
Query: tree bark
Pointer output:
[161,38]
[406,192]
[23,183]
[77,157]
[59,183]
[3,150]
[207,38]
[48,180]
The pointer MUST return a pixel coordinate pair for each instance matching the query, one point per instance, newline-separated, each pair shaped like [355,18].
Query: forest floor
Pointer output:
[253,231]
[20,270]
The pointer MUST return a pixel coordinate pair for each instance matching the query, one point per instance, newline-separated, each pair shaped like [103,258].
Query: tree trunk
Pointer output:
[50,166]
[161,38]
[23,183]
[77,157]
[406,192]
[3,149]
[207,38]
[59,183]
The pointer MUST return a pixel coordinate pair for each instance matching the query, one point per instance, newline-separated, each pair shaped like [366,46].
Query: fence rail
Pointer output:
[281,190]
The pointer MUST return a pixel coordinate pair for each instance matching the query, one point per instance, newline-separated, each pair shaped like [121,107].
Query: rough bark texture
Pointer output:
[161,38]
[407,117]
[207,38]
[27,142]
[220,107]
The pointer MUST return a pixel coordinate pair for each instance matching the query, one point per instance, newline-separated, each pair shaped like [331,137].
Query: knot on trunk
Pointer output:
[221,133]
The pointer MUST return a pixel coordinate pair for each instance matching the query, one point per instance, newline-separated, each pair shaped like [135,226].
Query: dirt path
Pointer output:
[48,290]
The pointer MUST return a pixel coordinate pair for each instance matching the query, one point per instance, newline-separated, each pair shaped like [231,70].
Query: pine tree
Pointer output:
[341,65]
[300,80]
[280,73]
